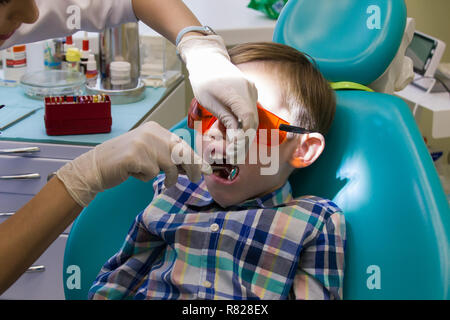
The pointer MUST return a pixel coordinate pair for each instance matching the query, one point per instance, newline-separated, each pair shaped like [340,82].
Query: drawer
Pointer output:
[42,284]
[11,202]
[11,168]
[5,213]
[42,150]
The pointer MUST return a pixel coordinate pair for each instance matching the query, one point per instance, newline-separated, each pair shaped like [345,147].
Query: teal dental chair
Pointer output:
[376,166]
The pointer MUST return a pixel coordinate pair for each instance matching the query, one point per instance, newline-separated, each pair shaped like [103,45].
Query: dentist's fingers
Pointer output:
[188,161]
[143,165]
[243,108]
[171,172]
[227,118]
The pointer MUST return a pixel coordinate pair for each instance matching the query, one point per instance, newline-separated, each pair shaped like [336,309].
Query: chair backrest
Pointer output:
[376,166]
[350,40]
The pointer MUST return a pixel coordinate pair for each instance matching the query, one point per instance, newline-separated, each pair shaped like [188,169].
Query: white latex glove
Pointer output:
[141,153]
[218,85]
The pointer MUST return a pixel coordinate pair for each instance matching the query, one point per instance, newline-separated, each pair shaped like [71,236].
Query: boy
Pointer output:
[238,233]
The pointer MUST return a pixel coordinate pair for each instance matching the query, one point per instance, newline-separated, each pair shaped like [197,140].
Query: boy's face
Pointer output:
[265,168]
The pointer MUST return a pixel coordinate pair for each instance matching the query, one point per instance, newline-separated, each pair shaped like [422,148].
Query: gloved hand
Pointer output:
[218,85]
[141,153]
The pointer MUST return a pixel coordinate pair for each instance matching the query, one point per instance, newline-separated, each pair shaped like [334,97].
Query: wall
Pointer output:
[432,17]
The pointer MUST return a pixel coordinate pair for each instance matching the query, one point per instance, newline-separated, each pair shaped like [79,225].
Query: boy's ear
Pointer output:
[309,148]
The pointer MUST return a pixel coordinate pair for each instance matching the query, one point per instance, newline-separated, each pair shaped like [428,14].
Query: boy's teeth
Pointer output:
[218,159]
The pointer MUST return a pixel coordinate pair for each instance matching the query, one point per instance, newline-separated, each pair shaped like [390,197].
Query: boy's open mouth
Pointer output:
[225,171]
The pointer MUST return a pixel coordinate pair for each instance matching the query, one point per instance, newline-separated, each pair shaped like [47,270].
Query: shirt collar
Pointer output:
[200,197]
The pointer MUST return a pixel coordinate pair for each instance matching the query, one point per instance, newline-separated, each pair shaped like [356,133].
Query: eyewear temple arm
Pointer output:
[294,129]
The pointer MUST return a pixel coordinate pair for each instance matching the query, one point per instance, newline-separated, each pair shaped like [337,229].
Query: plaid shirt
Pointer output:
[185,246]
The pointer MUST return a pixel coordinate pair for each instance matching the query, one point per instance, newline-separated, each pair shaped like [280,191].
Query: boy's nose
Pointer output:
[215,141]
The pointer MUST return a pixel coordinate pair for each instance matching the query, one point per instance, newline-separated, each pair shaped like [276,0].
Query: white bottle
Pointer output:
[14,62]
[35,56]
[85,52]
[91,71]
[67,45]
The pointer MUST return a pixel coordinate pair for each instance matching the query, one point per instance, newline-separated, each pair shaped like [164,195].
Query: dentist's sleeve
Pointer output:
[56,19]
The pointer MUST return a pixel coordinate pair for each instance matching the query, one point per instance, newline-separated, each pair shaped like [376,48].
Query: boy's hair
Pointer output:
[306,93]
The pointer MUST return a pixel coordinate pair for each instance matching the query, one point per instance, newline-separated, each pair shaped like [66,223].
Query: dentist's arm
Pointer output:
[168,17]
[29,232]
[218,85]
[141,153]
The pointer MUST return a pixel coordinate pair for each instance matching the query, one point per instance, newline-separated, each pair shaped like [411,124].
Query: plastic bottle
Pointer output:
[15,62]
[67,45]
[91,71]
[53,54]
[84,55]
[73,57]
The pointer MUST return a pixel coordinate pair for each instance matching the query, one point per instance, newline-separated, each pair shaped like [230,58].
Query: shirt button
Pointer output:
[214,227]
[207,284]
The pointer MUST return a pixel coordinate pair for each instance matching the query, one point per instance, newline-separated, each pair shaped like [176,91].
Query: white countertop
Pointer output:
[437,102]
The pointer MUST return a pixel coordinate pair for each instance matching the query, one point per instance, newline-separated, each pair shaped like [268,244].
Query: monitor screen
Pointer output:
[419,51]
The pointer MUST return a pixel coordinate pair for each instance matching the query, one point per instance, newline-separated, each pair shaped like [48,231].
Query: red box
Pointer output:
[77,115]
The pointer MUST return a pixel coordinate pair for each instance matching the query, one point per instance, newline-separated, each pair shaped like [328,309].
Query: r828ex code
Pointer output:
[247,309]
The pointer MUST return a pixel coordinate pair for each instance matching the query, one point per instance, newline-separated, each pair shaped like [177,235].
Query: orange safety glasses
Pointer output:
[267,122]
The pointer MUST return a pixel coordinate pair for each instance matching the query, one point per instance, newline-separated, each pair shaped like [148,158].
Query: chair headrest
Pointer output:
[350,40]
